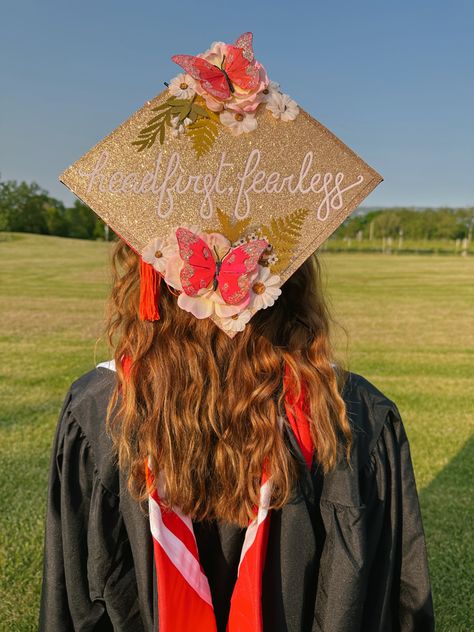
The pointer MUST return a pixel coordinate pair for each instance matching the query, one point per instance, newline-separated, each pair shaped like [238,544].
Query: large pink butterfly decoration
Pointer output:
[238,68]
[231,274]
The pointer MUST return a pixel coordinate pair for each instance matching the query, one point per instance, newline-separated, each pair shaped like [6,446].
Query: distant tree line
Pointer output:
[428,224]
[27,208]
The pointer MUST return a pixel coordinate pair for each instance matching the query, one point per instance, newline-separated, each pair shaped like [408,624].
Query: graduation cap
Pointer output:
[222,184]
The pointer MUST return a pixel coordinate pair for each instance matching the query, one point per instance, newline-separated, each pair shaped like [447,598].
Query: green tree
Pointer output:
[22,207]
[56,220]
[81,221]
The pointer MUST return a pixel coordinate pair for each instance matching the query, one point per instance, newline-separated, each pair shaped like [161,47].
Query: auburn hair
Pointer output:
[205,407]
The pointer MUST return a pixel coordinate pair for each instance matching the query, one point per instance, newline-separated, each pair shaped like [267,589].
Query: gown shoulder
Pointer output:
[369,411]
[98,572]
[86,406]
[89,580]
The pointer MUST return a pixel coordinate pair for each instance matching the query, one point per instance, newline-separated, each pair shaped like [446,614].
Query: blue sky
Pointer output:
[394,80]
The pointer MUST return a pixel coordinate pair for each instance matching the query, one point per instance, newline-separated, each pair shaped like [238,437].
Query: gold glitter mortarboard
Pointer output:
[222,184]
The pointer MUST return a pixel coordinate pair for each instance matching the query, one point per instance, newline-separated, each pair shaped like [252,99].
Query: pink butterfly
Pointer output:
[231,273]
[237,68]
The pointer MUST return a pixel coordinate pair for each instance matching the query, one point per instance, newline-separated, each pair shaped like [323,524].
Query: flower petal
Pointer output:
[199,306]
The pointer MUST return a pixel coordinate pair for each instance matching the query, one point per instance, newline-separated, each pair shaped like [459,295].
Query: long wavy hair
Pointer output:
[205,407]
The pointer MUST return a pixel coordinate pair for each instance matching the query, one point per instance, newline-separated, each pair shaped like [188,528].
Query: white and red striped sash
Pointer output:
[184,596]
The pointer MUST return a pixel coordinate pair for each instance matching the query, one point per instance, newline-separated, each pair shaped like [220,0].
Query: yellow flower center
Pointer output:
[158,254]
[235,317]
[239,117]
[183,86]
[258,287]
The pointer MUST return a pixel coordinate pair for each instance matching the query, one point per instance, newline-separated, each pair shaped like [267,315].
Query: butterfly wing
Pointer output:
[209,76]
[245,43]
[236,270]
[199,264]
[240,63]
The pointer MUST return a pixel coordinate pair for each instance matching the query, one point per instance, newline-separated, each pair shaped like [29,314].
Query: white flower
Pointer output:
[200,306]
[179,128]
[252,237]
[182,87]
[272,89]
[238,122]
[272,259]
[158,252]
[236,322]
[223,309]
[283,107]
[208,302]
[264,289]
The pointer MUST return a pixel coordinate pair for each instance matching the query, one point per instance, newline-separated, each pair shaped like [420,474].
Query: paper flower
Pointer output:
[238,122]
[179,128]
[226,80]
[264,289]
[182,86]
[158,252]
[227,75]
[201,306]
[199,293]
[236,322]
[272,88]
[282,106]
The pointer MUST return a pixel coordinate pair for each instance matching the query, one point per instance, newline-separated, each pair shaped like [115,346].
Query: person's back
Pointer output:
[345,547]
[226,473]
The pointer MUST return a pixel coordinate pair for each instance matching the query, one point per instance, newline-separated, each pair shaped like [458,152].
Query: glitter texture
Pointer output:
[122,185]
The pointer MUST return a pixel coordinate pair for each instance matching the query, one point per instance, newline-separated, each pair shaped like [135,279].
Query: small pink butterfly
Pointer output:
[237,68]
[231,273]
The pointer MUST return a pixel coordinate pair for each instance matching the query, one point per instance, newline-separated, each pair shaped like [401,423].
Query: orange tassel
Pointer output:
[150,281]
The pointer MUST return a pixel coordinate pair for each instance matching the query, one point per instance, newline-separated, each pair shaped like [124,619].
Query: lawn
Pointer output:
[410,324]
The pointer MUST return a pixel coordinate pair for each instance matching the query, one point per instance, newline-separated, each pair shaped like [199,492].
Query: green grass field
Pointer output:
[411,331]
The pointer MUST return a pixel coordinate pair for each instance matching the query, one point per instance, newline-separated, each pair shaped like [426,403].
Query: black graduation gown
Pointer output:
[346,554]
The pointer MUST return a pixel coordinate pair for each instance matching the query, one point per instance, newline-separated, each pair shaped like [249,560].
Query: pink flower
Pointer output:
[240,100]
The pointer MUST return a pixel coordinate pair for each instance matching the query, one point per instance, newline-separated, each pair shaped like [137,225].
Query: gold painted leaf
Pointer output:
[233,230]
[199,111]
[213,115]
[203,128]
[283,234]
[203,132]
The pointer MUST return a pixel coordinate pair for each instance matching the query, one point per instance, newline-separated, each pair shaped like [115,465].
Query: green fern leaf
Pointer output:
[156,126]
